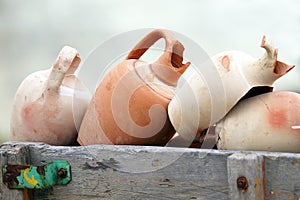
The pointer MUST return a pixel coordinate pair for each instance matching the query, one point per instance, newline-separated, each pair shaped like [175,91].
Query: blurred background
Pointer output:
[33,32]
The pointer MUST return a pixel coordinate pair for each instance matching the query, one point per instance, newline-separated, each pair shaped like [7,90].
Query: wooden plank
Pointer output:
[246,176]
[126,172]
[16,154]
[282,176]
[138,172]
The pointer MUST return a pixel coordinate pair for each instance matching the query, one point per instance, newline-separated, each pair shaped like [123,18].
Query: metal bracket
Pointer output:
[37,177]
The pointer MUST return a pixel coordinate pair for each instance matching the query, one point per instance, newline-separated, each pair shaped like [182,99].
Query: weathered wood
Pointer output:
[136,172]
[126,172]
[282,174]
[246,176]
[16,154]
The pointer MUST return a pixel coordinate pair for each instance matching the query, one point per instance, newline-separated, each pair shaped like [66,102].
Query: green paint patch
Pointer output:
[37,177]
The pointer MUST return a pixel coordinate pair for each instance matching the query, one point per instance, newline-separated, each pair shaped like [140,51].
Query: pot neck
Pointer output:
[267,69]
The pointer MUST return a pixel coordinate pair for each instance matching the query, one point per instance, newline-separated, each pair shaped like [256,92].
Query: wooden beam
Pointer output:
[139,172]
[16,154]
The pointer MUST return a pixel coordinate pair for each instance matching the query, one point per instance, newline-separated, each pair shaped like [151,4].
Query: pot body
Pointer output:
[267,122]
[127,110]
[43,104]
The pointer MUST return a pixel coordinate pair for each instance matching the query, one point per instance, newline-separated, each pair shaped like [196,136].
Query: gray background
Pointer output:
[32,32]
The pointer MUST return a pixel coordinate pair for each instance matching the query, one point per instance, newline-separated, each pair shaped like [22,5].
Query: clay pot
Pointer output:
[43,110]
[129,105]
[237,72]
[268,122]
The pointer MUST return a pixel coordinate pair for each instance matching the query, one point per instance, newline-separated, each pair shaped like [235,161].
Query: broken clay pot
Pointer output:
[237,72]
[267,122]
[129,105]
[43,104]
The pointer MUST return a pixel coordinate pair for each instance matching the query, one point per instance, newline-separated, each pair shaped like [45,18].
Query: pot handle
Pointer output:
[173,53]
[66,64]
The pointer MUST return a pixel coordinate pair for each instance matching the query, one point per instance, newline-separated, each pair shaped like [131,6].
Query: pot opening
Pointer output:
[257,91]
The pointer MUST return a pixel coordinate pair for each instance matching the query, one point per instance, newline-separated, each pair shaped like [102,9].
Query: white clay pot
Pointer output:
[267,122]
[190,111]
[43,104]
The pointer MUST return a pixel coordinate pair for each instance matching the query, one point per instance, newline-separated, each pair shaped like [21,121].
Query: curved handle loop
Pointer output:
[66,64]
[173,55]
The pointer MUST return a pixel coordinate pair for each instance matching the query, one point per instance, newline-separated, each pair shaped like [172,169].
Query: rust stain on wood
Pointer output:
[263,179]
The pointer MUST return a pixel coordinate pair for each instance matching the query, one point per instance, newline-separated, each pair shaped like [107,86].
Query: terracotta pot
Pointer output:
[237,72]
[43,110]
[268,122]
[129,105]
